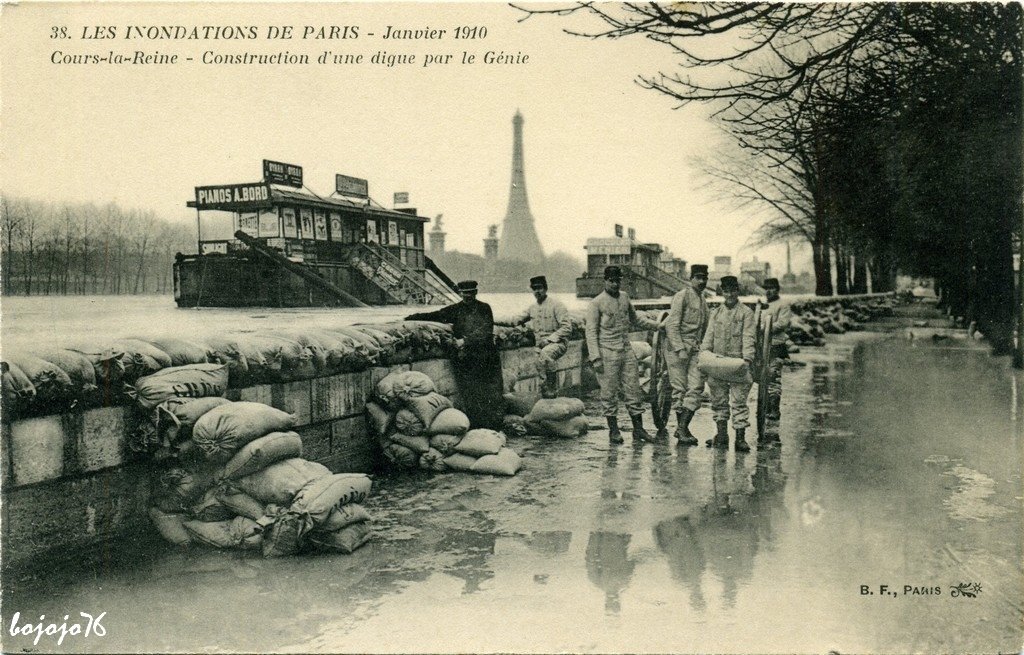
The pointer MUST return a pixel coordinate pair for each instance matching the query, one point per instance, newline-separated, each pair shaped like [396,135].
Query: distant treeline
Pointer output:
[78,249]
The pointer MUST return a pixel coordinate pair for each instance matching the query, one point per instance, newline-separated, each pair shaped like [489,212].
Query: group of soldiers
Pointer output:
[690,327]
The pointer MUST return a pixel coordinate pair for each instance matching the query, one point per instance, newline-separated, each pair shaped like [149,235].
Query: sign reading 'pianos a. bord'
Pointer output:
[233,197]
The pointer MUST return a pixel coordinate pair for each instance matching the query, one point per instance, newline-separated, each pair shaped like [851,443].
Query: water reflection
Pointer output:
[609,566]
[724,534]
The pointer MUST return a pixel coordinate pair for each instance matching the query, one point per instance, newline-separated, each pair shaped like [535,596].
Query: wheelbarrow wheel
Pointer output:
[660,391]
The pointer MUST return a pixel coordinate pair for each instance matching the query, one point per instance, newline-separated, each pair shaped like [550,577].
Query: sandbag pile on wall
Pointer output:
[417,427]
[235,477]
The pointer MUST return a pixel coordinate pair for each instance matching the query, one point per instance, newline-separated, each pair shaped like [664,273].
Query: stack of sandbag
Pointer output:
[557,417]
[240,482]
[417,427]
[165,392]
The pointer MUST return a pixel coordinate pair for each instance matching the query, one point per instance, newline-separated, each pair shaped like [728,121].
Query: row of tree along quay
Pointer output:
[79,249]
[887,136]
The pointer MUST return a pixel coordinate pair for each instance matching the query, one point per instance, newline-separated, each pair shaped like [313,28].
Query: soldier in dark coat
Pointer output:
[477,363]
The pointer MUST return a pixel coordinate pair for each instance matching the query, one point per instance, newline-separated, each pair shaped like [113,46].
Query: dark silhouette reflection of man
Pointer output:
[609,566]
[725,534]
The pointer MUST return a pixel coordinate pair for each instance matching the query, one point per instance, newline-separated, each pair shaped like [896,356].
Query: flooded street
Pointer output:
[900,467]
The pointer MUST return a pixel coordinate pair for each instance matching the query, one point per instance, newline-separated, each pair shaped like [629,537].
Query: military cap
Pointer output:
[699,269]
[612,273]
[538,281]
[770,283]
[467,285]
[729,282]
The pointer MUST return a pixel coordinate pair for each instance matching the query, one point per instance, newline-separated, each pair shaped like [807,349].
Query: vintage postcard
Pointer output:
[420,327]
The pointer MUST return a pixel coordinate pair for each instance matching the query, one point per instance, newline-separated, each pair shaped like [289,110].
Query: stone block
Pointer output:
[261,393]
[339,396]
[61,516]
[353,448]
[316,441]
[294,398]
[440,371]
[103,437]
[37,449]
[529,384]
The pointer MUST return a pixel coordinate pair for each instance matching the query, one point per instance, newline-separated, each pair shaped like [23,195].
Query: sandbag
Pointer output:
[191,381]
[346,540]
[242,504]
[210,508]
[170,526]
[449,421]
[239,532]
[264,358]
[227,352]
[368,345]
[54,392]
[296,359]
[398,387]
[417,443]
[284,537]
[460,462]
[520,403]
[77,365]
[408,423]
[506,462]
[341,516]
[344,353]
[220,432]
[278,483]
[379,419]
[401,456]
[176,489]
[18,392]
[514,426]
[427,407]
[182,352]
[432,460]
[320,496]
[727,369]
[313,343]
[576,426]
[445,443]
[481,441]
[260,453]
[176,417]
[641,349]
[108,367]
[555,409]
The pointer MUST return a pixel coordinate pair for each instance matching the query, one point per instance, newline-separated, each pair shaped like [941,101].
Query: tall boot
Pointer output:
[741,441]
[550,387]
[639,433]
[721,438]
[683,434]
[614,436]
[773,410]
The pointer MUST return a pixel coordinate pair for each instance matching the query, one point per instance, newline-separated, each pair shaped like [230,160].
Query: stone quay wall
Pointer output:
[70,483]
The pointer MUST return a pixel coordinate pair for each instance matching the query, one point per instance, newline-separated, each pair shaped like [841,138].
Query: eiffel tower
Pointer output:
[518,235]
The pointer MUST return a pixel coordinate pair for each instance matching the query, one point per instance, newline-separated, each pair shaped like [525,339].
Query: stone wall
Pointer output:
[69,481]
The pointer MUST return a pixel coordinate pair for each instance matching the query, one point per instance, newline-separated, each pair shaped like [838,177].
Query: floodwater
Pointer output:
[66,320]
[900,466]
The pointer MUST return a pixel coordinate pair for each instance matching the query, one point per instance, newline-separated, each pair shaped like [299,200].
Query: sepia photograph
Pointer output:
[489,327]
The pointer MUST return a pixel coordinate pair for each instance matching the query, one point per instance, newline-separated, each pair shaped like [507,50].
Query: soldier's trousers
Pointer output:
[730,395]
[620,374]
[686,380]
[779,354]
[549,356]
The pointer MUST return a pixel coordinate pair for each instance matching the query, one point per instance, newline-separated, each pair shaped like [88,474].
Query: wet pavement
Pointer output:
[900,466]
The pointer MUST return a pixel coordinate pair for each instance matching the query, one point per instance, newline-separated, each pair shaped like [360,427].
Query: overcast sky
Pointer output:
[599,149]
